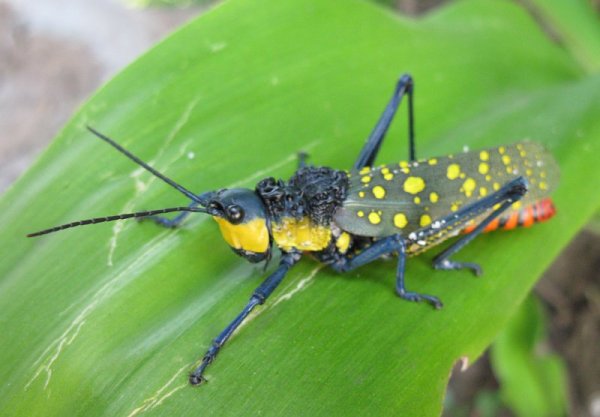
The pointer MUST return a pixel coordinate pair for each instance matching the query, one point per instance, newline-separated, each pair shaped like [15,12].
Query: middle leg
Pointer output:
[388,245]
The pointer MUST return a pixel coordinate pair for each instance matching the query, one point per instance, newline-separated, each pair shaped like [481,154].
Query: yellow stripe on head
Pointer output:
[252,236]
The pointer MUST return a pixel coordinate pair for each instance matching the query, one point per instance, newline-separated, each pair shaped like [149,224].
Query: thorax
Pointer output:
[301,209]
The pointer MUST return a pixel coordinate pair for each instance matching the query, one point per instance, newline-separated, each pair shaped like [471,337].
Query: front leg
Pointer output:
[171,223]
[258,297]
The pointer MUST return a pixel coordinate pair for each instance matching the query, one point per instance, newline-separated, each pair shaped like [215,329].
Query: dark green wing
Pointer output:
[404,197]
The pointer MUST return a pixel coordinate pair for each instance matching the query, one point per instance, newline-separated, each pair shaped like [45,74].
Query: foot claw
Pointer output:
[197,379]
[416,297]
[448,265]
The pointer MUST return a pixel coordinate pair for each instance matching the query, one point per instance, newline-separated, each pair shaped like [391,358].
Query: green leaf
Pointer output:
[575,24]
[109,319]
[532,382]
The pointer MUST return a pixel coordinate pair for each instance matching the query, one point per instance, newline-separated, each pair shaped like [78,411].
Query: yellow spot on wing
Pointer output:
[425,220]
[453,171]
[414,185]
[385,170]
[417,200]
[388,176]
[404,167]
[501,149]
[505,159]
[366,179]
[484,155]
[483,191]
[400,220]
[468,186]
[543,185]
[361,194]
[360,213]
[483,168]
[365,170]
[379,191]
[433,197]
[432,161]
[374,218]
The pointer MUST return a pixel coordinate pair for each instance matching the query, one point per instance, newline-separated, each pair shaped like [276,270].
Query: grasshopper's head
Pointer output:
[242,218]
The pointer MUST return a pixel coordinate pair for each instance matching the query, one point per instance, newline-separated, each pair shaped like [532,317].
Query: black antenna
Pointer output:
[138,161]
[116,217]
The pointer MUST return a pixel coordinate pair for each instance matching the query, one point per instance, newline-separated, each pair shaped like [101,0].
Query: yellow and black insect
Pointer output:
[348,219]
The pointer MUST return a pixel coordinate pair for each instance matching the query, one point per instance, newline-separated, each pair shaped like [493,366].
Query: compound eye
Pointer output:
[214,207]
[235,214]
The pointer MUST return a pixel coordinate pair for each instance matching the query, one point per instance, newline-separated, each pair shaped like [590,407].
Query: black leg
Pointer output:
[369,151]
[445,227]
[442,261]
[258,297]
[387,245]
[171,223]
[302,158]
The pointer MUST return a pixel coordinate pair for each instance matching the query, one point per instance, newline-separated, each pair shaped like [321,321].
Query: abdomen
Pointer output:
[526,216]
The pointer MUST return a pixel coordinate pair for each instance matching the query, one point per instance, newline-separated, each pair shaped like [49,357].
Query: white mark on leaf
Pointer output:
[301,286]
[160,395]
[147,256]
[217,46]
[142,186]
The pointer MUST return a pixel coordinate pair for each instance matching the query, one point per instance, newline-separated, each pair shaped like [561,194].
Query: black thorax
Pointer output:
[315,192]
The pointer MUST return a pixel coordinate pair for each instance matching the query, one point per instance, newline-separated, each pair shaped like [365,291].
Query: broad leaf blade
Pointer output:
[108,320]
